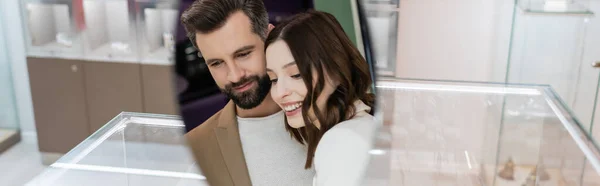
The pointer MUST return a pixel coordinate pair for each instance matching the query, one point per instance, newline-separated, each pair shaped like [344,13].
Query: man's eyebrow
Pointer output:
[209,61]
[244,48]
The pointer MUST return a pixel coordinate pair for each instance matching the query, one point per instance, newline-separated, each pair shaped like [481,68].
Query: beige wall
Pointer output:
[453,40]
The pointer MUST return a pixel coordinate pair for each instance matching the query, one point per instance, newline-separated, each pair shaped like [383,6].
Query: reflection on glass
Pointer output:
[463,134]
[132,149]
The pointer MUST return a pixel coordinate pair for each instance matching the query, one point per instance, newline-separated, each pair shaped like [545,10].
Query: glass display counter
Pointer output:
[52,28]
[110,33]
[473,134]
[156,21]
[433,133]
[132,149]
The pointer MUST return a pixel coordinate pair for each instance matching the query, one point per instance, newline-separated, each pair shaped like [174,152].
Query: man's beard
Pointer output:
[249,99]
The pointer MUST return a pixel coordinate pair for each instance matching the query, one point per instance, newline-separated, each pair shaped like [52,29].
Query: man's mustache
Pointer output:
[242,82]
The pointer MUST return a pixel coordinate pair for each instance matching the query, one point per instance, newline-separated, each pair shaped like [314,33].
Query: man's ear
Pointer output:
[270,27]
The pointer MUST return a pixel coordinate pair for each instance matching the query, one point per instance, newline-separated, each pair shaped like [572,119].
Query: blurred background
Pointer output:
[67,67]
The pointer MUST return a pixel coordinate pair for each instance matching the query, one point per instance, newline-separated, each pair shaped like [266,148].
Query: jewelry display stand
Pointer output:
[521,175]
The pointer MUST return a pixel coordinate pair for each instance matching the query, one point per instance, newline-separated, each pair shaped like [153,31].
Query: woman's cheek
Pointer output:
[301,90]
[274,94]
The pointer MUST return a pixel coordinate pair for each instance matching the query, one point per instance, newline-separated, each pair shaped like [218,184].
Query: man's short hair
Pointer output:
[205,16]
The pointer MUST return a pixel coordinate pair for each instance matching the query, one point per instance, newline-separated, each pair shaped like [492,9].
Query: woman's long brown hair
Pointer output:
[318,44]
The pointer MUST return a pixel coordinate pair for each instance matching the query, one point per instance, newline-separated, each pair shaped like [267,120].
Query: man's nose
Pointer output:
[235,73]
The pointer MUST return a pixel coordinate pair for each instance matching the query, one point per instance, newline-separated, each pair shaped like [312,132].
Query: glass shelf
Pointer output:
[382,19]
[52,29]
[441,133]
[131,149]
[110,34]
[156,23]
[394,3]
[566,7]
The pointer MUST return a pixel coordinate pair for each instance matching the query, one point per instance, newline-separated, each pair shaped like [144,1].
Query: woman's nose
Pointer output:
[282,89]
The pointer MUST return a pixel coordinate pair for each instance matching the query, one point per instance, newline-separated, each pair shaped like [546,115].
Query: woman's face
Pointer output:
[288,89]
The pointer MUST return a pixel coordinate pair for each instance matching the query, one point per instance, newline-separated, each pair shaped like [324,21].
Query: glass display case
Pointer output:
[52,28]
[439,133]
[382,20]
[156,21]
[553,42]
[110,33]
[395,3]
[9,121]
[132,149]
[556,6]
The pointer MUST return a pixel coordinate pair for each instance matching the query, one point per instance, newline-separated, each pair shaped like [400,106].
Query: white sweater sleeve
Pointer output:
[341,157]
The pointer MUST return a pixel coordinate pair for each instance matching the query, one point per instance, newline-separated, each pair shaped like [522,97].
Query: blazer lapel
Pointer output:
[229,141]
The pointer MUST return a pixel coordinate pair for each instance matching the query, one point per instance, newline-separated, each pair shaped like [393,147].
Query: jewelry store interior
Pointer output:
[469,92]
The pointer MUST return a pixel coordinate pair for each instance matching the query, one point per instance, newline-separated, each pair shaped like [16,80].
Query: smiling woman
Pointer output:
[321,81]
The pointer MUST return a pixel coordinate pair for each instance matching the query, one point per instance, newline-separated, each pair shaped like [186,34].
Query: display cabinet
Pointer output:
[110,33]
[394,3]
[156,21]
[131,149]
[10,132]
[52,28]
[58,97]
[458,133]
[84,66]
[556,6]
[383,27]
[553,42]
[156,26]
[382,23]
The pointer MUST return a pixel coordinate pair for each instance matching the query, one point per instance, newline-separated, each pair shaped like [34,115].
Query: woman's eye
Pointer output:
[273,81]
[297,76]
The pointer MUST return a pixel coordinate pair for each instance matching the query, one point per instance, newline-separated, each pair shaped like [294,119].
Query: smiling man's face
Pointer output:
[236,60]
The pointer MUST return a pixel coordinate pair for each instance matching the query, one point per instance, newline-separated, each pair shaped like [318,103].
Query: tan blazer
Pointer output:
[218,150]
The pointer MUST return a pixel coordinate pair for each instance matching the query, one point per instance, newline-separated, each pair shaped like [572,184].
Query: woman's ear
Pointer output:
[269,28]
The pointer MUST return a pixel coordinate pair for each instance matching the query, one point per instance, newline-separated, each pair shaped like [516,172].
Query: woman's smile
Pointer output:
[292,109]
